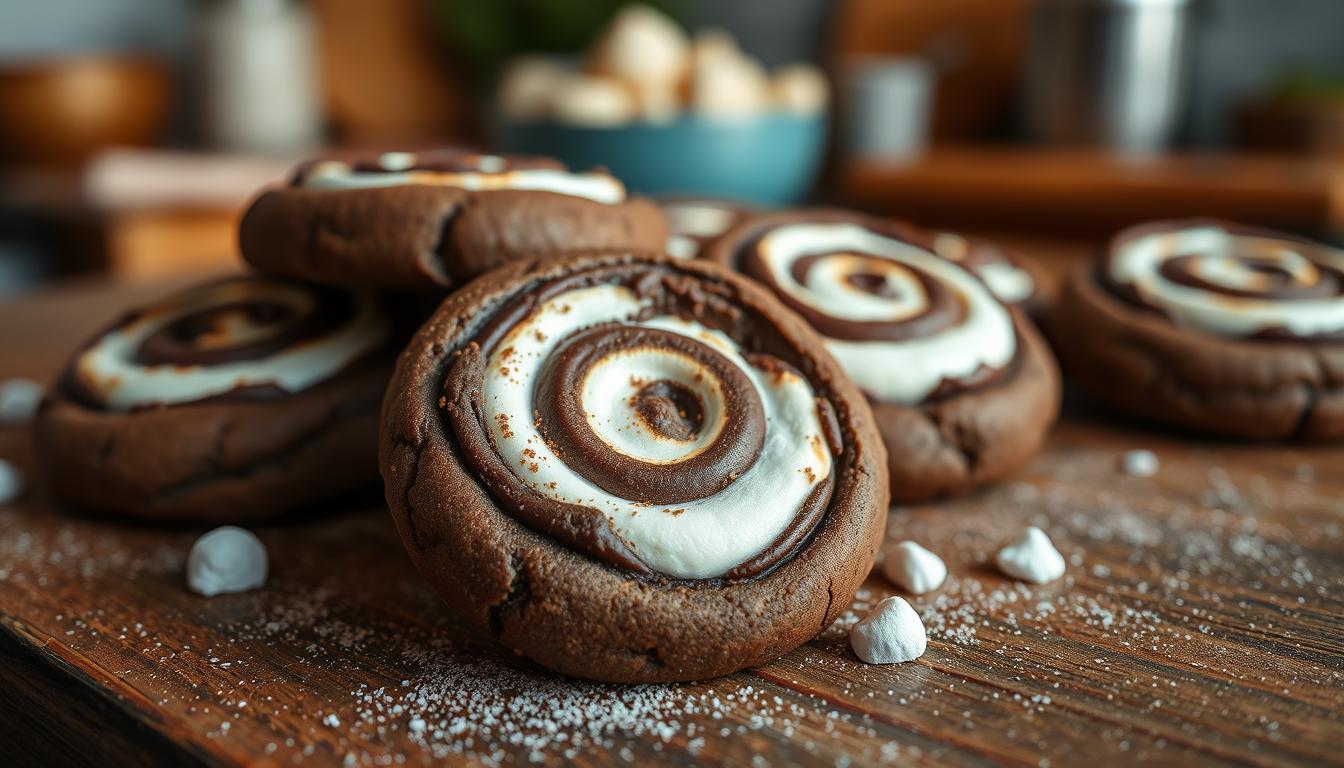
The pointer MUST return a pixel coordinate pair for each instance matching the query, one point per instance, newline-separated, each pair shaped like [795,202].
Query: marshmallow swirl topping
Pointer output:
[607,412]
[906,324]
[1231,281]
[245,336]
[447,168]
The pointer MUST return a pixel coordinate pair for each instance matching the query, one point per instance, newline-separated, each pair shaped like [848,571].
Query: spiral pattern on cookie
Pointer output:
[615,420]
[464,170]
[244,337]
[905,324]
[1231,281]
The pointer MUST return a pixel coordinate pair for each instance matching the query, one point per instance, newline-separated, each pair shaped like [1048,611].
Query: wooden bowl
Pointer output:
[61,111]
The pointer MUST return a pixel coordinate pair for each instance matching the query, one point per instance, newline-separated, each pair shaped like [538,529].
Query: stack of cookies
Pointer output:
[635,454]
[253,396]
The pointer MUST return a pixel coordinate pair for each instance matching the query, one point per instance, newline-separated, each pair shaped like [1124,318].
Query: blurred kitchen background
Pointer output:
[132,132]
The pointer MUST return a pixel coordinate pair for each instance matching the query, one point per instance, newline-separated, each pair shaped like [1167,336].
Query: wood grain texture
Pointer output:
[1091,193]
[1201,621]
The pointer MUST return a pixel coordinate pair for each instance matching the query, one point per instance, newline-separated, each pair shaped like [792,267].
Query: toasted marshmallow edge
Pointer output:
[1032,557]
[890,634]
[226,560]
[914,568]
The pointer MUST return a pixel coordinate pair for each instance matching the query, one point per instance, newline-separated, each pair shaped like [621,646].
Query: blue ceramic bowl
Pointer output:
[769,160]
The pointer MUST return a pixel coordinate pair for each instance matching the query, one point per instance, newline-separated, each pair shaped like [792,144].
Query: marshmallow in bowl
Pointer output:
[592,101]
[226,560]
[1032,557]
[914,568]
[528,86]
[800,88]
[890,634]
[643,48]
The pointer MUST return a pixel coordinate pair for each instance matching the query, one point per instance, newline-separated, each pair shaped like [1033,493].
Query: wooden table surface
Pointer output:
[1201,620]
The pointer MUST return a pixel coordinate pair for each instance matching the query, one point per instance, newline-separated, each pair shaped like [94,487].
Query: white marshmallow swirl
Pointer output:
[901,320]
[1232,282]
[224,336]
[659,390]
[471,172]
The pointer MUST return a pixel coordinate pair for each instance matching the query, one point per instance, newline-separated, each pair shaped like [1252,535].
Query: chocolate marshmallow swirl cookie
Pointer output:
[430,221]
[963,390]
[630,468]
[1212,326]
[234,400]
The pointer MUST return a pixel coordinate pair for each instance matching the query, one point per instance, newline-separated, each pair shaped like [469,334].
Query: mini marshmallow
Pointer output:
[800,88]
[226,560]
[729,87]
[890,634]
[1032,557]
[528,87]
[1141,463]
[914,568]
[19,399]
[592,101]
[642,47]
[11,482]
[713,45]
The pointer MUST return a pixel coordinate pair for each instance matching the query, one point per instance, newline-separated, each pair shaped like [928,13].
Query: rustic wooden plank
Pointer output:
[1087,192]
[1200,621]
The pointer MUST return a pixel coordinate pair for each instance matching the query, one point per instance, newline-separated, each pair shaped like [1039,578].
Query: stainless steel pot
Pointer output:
[1107,73]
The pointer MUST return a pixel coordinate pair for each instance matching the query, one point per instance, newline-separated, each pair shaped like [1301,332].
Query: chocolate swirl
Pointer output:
[259,336]
[608,411]
[452,168]
[906,324]
[1230,280]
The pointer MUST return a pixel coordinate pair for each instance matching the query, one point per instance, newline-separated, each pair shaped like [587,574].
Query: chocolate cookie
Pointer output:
[434,220]
[632,468]
[694,223]
[963,389]
[235,400]
[1014,279]
[1211,326]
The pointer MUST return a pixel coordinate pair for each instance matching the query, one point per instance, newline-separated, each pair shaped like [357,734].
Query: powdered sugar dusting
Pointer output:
[1151,627]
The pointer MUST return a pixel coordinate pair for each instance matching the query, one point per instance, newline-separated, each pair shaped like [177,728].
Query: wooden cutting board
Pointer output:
[1201,620]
